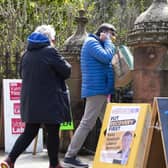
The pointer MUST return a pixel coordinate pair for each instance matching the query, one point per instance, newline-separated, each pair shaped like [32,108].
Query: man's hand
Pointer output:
[106,35]
[103,36]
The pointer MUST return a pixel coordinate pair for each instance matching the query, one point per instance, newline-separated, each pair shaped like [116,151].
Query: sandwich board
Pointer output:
[11,125]
[123,137]
[158,140]
[11,120]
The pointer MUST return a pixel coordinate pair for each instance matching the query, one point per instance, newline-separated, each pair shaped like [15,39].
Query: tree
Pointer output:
[19,18]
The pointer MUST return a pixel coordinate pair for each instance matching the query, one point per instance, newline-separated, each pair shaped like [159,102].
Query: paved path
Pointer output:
[40,160]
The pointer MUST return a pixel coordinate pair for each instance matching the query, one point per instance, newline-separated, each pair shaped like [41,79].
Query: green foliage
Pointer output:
[18,18]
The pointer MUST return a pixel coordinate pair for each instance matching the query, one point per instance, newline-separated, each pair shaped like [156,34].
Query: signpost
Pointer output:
[13,126]
[158,140]
[122,141]
[163,122]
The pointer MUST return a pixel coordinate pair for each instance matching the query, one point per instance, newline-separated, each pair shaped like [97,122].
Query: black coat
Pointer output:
[43,73]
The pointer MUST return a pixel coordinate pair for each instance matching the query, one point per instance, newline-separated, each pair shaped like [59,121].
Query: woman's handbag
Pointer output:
[123,66]
[64,95]
[65,101]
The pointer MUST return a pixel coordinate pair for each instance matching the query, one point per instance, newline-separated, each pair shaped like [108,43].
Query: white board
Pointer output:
[13,126]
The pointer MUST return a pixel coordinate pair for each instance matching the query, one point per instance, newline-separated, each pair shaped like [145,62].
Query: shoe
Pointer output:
[74,163]
[4,164]
[58,166]
[7,163]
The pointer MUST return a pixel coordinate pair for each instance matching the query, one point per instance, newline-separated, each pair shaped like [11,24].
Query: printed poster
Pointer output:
[15,88]
[119,134]
[13,126]
[17,126]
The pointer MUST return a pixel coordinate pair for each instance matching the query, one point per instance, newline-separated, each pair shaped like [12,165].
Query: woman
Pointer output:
[43,71]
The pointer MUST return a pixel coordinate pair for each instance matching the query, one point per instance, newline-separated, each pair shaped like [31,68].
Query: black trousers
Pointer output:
[30,132]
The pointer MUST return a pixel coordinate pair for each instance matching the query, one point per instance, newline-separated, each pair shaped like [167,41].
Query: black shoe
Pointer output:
[74,163]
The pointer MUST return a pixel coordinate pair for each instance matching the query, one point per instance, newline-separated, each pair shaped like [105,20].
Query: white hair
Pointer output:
[47,30]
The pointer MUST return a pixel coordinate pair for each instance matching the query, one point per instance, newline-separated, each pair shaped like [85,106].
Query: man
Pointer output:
[125,151]
[97,83]
[126,142]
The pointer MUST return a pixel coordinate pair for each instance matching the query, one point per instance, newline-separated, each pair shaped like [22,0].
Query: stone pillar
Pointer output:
[149,39]
[71,51]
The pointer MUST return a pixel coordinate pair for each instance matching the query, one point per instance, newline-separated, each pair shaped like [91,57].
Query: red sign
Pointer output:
[17,126]
[16,108]
[15,89]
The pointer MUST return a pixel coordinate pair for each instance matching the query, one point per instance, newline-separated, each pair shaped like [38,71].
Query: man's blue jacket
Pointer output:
[96,67]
